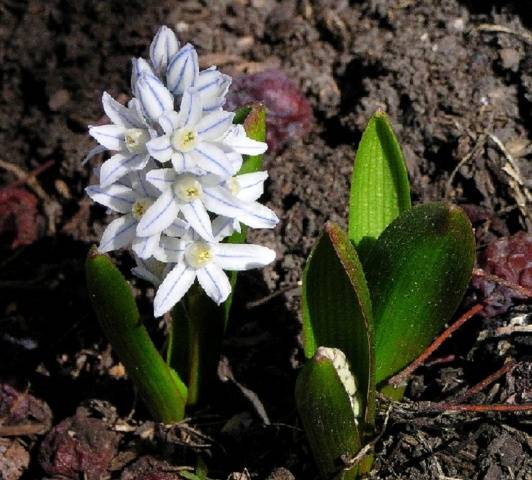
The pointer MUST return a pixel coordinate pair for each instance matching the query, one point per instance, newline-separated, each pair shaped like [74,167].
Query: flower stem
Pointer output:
[195,341]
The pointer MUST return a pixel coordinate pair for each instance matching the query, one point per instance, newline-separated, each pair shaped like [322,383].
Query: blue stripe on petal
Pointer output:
[220,165]
[214,125]
[161,213]
[123,230]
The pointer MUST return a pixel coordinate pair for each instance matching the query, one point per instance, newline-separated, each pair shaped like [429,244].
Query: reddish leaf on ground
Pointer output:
[18,216]
[289,114]
[22,413]
[509,258]
[79,447]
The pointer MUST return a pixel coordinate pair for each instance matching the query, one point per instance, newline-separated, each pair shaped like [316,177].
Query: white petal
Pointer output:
[183,70]
[251,185]
[253,214]
[139,66]
[231,256]
[234,157]
[223,227]
[213,125]
[144,247]
[172,289]
[169,121]
[119,165]
[178,228]
[118,113]
[163,47]
[213,159]
[198,218]
[213,86]
[161,178]
[155,97]
[118,234]
[110,136]
[141,186]
[93,152]
[171,250]
[190,109]
[159,216]
[135,107]
[160,148]
[237,139]
[183,162]
[215,282]
[116,197]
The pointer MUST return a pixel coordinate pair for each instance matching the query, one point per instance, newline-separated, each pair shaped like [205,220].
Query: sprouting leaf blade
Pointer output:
[418,272]
[379,185]
[161,389]
[328,420]
[337,308]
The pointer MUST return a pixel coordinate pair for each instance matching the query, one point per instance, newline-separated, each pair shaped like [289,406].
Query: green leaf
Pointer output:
[379,185]
[328,420]
[161,389]
[337,308]
[417,273]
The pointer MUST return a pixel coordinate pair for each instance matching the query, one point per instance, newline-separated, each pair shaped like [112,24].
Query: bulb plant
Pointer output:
[373,298]
[183,179]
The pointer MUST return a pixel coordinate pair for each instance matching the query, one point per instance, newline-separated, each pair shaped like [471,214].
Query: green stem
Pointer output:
[195,341]
[159,387]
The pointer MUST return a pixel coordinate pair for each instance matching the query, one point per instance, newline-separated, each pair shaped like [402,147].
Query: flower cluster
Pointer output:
[173,177]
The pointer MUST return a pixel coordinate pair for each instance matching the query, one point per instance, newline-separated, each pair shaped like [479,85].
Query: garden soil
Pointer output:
[455,78]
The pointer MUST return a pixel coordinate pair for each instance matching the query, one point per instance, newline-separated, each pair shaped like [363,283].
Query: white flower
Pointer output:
[193,196]
[127,135]
[183,70]
[247,187]
[164,47]
[200,143]
[154,96]
[139,67]
[132,202]
[205,261]
[213,87]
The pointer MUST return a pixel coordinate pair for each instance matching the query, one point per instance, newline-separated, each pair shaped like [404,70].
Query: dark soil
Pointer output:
[454,76]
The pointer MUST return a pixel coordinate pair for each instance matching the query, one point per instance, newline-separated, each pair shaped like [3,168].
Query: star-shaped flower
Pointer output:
[205,261]
[127,135]
[193,196]
[132,199]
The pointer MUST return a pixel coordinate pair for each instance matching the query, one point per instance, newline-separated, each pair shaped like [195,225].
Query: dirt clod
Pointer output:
[79,447]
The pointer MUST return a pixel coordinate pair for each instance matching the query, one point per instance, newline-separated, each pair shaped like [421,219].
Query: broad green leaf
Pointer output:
[417,273]
[379,185]
[337,308]
[161,389]
[328,419]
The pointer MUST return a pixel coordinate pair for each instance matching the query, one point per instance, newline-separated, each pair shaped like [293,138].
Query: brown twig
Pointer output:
[487,381]
[401,377]
[464,407]
[527,292]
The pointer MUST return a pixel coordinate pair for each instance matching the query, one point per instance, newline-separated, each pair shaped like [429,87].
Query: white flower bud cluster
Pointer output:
[173,176]
[341,365]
